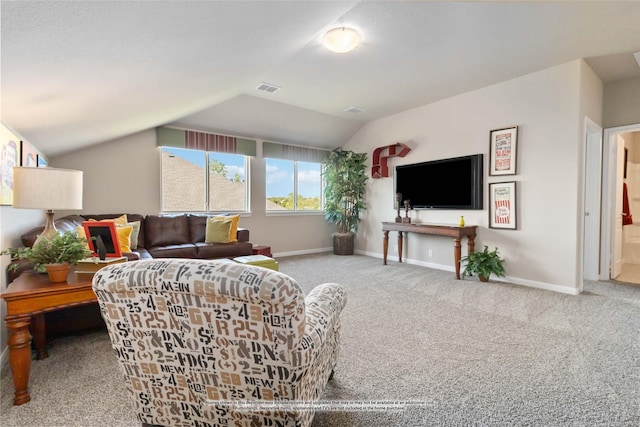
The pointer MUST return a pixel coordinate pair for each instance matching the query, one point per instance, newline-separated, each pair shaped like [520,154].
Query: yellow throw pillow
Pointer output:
[124,236]
[233,231]
[82,234]
[217,231]
[135,232]
[121,220]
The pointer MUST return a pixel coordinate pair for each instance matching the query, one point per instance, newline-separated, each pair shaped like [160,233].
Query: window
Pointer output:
[293,185]
[189,186]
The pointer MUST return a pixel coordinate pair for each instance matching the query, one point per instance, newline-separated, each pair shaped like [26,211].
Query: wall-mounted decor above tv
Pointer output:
[454,183]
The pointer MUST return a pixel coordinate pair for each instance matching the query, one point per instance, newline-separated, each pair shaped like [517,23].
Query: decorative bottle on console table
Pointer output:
[398,200]
[461,223]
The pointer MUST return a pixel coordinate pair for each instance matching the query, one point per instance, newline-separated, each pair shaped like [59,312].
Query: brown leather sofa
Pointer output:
[175,236]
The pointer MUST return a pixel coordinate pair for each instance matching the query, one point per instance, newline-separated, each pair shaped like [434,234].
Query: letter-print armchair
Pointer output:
[207,342]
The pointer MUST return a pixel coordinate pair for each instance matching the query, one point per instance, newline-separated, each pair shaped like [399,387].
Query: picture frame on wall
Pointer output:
[502,205]
[29,155]
[9,157]
[503,150]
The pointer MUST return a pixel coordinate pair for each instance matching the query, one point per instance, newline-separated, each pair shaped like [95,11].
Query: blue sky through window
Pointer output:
[279,176]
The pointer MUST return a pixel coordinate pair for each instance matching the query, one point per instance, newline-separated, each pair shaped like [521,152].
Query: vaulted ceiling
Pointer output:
[76,73]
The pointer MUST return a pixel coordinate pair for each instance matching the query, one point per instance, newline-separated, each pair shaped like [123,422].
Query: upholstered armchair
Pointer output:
[214,342]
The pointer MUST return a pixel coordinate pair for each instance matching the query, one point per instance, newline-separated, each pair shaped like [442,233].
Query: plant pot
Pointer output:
[483,278]
[343,243]
[58,272]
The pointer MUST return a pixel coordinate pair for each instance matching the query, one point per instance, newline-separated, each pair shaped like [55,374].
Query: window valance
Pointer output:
[293,152]
[179,138]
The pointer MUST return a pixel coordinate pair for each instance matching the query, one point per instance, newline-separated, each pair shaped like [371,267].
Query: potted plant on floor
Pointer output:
[483,264]
[54,254]
[345,185]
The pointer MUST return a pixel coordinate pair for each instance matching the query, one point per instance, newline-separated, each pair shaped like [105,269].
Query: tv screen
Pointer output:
[454,183]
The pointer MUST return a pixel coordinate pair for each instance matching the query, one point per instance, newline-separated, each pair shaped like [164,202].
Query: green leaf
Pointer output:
[345,178]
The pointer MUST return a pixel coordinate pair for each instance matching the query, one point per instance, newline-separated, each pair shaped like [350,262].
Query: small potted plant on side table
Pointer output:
[54,254]
[483,264]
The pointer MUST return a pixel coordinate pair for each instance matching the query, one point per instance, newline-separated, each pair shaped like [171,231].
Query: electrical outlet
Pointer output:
[430,253]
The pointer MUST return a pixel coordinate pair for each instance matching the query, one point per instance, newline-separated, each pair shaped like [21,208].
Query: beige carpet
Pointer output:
[474,354]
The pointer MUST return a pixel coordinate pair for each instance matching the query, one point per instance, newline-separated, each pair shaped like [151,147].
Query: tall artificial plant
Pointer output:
[345,185]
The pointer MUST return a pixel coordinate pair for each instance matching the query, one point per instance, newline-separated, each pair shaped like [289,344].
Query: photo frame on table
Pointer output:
[502,205]
[106,230]
[503,150]
[29,155]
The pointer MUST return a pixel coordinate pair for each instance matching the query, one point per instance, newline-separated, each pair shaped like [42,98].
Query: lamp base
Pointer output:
[50,229]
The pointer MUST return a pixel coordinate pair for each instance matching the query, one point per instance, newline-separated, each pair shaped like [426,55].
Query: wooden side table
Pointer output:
[262,250]
[28,298]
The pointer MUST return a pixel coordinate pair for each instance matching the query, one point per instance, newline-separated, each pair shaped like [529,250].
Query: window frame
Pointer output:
[295,210]
[206,210]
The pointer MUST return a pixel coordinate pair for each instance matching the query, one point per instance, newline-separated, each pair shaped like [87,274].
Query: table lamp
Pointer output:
[47,188]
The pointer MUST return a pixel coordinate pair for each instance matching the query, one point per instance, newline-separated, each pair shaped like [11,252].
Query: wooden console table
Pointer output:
[454,231]
[28,298]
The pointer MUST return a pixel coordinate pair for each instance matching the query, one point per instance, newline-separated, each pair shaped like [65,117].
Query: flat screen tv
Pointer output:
[454,183]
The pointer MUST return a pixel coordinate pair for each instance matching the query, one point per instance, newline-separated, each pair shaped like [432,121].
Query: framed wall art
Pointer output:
[502,205]
[29,155]
[503,150]
[9,157]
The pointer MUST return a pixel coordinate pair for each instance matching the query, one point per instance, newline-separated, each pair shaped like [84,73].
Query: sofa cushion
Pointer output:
[217,231]
[135,233]
[166,231]
[223,250]
[197,227]
[119,220]
[233,232]
[185,250]
[130,218]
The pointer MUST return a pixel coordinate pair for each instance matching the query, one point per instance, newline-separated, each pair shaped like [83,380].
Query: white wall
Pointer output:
[124,176]
[547,107]
[621,103]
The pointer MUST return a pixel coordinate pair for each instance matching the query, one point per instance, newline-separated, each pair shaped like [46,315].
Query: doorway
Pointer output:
[615,264]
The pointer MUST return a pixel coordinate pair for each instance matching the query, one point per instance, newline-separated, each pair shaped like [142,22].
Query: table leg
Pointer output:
[385,246]
[471,245]
[39,331]
[399,246]
[19,343]
[457,254]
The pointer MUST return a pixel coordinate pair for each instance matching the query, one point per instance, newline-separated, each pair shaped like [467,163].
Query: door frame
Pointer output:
[592,173]
[608,197]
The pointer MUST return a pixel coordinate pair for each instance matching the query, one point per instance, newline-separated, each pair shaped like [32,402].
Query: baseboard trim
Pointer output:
[303,252]
[507,279]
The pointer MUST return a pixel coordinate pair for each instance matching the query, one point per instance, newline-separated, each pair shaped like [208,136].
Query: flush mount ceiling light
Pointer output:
[341,39]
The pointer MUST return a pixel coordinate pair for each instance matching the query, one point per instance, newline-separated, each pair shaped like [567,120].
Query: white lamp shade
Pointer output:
[341,39]
[47,188]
